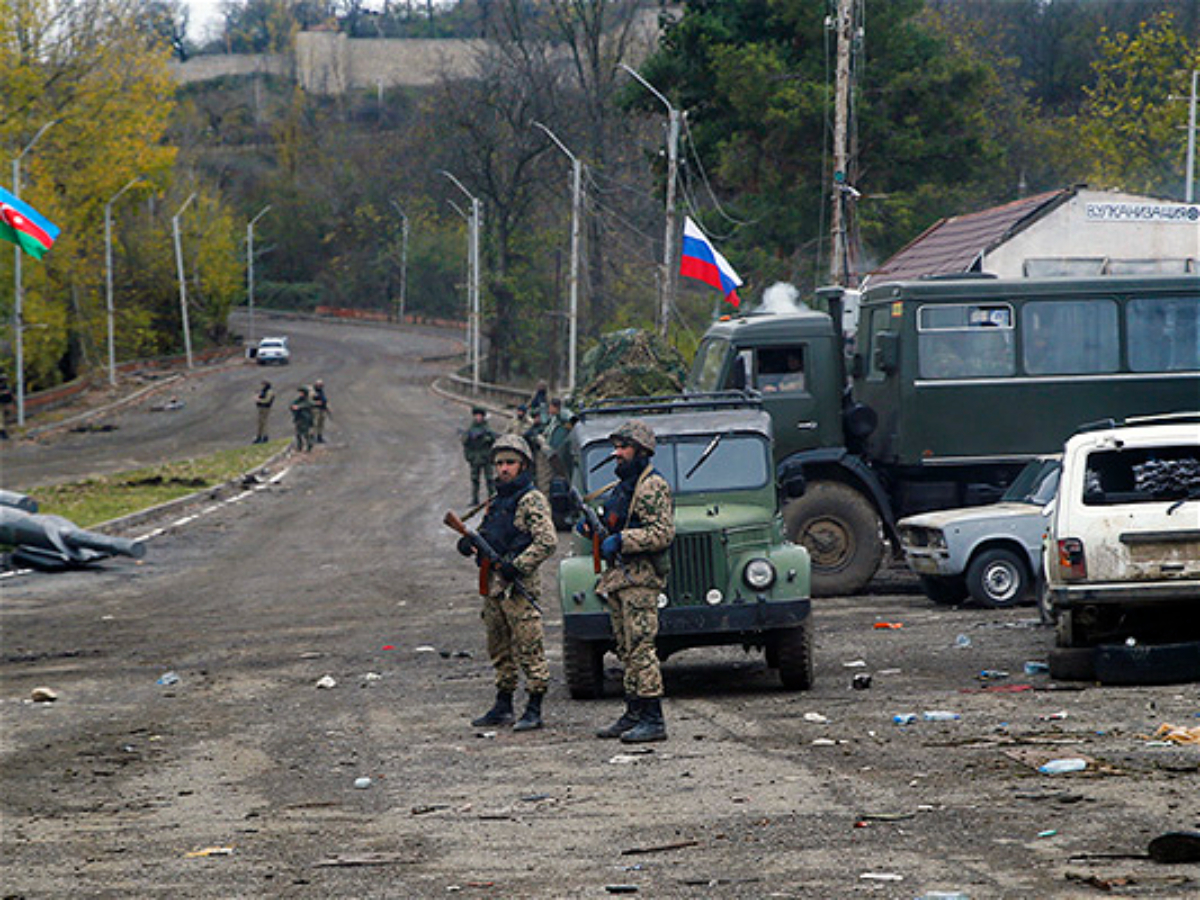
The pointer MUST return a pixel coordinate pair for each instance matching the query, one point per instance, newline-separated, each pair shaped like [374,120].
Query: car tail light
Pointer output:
[1071,562]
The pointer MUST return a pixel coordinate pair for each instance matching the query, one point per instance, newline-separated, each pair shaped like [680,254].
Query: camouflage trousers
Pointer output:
[303,436]
[634,615]
[515,641]
[481,471]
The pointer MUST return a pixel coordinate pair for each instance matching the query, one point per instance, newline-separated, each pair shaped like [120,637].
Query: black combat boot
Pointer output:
[532,717]
[650,726]
[628,719]
[501,712]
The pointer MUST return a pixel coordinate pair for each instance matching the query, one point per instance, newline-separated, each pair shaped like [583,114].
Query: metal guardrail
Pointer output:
[490,394]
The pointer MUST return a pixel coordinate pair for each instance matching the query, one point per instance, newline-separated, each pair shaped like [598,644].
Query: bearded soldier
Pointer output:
[640,518]
[518,526]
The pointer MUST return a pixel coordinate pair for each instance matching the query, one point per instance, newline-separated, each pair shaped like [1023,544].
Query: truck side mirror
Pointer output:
[887,352]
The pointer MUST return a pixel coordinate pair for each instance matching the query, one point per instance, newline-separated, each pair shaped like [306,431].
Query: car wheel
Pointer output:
[583,665]
[840,530]
[791,648]
[998,579]
[944,591]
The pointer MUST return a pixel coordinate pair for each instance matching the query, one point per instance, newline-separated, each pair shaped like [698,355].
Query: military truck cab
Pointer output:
[955,384]
[734,578]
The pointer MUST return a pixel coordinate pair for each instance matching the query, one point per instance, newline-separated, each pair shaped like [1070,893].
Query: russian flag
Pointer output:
[700,259]
[25,226]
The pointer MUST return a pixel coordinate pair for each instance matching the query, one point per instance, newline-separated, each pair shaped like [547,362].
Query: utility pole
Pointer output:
[250,269]
[403,259]
[18,284]
[467,314]
[670,239]
[841,115]
[476,220]
[187,332]
[576,214]
[108,280]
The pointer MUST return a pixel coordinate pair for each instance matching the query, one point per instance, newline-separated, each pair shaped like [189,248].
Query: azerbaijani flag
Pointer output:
[700,259]
[25,226]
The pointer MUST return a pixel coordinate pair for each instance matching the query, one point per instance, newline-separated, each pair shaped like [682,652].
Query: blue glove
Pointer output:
[509,572]
[583,529]
[611,546]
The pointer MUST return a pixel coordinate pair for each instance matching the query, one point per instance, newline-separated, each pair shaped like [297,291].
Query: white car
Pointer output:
[1122,552]
[273,351]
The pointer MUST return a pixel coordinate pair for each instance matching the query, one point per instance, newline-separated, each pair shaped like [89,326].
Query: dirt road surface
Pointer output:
[124,786]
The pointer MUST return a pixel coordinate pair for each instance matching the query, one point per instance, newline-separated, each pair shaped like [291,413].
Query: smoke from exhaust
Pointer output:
[781,297]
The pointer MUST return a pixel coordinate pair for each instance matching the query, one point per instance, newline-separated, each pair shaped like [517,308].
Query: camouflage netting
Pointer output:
[629,363]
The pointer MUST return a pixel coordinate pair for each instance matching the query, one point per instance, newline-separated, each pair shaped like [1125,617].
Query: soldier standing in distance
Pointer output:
[7,404]
[477,443]
[518,526]
[263,400]
[302,417]
[320,411]
[639,513]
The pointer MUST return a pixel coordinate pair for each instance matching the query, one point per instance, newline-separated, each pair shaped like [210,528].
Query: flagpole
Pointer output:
[18,287]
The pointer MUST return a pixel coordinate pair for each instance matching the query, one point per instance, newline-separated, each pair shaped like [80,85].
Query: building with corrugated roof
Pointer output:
[1070,232]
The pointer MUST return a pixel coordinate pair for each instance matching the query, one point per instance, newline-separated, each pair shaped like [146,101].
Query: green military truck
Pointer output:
[734,578]
[954,384]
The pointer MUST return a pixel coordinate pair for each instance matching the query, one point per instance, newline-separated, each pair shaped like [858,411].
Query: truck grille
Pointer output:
[693,568]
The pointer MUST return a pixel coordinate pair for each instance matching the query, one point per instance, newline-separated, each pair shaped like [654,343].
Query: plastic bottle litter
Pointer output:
[993,674]
[168,678]
[962,641]
[904,718]
[939,715]
[1037,668]
[326,682]
[1059,766]
[362,783]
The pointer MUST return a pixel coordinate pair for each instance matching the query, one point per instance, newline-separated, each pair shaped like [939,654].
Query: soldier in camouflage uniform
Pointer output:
[477,444]
[640,517]
[518,526]
[302,417]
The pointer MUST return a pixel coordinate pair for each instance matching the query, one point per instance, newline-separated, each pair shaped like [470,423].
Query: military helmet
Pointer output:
[638,433]
[512,443]
[478,411]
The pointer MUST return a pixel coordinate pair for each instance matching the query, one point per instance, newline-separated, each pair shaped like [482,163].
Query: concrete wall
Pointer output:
[1104,225]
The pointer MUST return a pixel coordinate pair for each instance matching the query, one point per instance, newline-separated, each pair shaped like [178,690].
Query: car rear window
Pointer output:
[1142,475]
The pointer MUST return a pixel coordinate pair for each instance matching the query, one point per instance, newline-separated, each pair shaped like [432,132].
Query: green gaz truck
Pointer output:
[942,393]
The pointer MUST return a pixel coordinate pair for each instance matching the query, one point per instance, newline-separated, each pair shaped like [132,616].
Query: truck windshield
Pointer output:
[706,368]
[737,462]
[1037,483]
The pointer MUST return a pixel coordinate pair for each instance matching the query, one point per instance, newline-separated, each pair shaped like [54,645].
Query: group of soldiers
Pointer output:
[518,535]
[309,411]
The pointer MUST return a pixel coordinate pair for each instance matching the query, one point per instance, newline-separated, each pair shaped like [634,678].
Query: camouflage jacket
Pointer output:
[654,511]
[302,411]
[533,517]
[477,443]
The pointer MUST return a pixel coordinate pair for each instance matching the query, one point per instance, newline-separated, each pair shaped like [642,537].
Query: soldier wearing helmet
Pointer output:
[320,410]
[302,418]
[519,527]
[477,443]
[640,517]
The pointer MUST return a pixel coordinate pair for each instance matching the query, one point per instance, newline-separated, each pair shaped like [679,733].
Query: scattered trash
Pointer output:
[1061,766]
[886,625]
[944,895]
[991,675]
[886,817]
[362,783]
[881,876]
[888,672]
[824,742]
[168,678]
[904,718]
[209,851]
[326,682]
[363,859]
[1051,832]
[816,718]
[1176,847]
[43,695]
[388,647]
[1054,716]
[622,759]
[861,681]
[962,641]
[372,676]
[1037,668]
[1175,734]
[621,888]
[659,848]
[425,648]
[855,664]
[487,735]
[311,654]
[940,715]
[428,808]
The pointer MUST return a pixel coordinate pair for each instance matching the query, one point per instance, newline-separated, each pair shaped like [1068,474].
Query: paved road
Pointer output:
[342,568]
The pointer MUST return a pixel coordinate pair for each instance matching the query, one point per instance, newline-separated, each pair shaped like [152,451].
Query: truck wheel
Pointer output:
[944,591]
[840,530]
[998,579]
[791,649]
[583,663]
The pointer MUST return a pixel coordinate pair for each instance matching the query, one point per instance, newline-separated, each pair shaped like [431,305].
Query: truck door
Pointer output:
[782,374]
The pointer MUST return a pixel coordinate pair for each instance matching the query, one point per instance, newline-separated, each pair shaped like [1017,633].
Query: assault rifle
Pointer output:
[488,557]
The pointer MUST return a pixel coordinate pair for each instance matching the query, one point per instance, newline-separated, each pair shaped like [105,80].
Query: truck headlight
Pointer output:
[759,574]
[714,597]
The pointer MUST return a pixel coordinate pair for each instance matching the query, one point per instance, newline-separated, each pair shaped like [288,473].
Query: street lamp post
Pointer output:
[250,268]
[187,333]
[576,207]
[476,213]
[403,258]
[18,288]
[108,281]
[674,117]
[466,218]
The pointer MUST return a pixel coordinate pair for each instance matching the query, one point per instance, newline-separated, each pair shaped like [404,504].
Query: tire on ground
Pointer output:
[1073,663]
[583,665]
[841,531]
[791,650]
[999,579]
